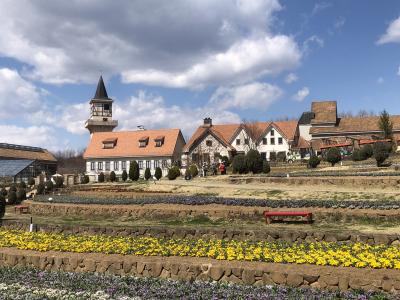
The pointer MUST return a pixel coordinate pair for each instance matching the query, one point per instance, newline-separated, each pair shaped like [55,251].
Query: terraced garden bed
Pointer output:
[34,284]
[207,200]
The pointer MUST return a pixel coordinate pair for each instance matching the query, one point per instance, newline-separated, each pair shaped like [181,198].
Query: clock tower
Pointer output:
[100,119]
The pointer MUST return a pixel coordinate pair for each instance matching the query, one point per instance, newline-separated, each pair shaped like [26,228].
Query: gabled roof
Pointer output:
[287,128]
[224,133]
[302,144]
[101,92]
[11,151]
[356,124]
[325,112]
[128,143]
[11,168]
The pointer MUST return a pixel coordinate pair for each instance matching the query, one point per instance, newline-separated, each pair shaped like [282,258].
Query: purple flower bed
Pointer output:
[205,200]
[92,286]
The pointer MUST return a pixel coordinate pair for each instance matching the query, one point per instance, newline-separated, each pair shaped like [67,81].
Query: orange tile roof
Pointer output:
[335,145]
[302,144]
[42,155]
[324,112]
[288,128]
[357,124]
[223,132]
[227,132]
[128,143]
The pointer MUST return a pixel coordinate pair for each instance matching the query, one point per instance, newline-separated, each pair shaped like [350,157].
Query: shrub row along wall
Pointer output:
[266,233]
[157,211]
[181,268]
[373,182]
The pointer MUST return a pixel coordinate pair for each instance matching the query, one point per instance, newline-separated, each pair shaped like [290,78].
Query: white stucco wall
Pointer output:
[268,148]
[304,131]
[94,173]
[242,135]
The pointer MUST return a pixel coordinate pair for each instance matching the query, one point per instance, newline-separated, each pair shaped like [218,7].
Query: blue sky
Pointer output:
[172,63]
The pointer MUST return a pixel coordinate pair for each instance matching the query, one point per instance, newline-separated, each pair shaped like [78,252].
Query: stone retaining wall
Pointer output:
[357,181]
[157,211]
[182,268]
[269,234]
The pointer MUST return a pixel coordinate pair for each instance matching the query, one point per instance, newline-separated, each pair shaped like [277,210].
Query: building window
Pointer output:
[264,141]
[264,155]
[143,141]
[100,165]
[140,162]
[280,141]
[238,142]
[107,166]
[195,157]
[159,141]
[272,141]
[246,141]
[209,143]
[156,164]
[123,163]
[92,166]
[148,164]
[164,163]
[272,132]
[116,165]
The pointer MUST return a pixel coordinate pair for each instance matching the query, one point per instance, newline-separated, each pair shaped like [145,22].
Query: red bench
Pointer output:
[269,214]
[23,209]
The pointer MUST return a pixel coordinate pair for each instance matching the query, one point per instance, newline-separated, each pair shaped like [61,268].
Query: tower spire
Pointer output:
[101,92]
[101,117]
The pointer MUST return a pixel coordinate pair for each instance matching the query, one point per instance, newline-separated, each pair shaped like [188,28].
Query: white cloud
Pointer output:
[253,95]
[320,6]
[179,43]
[380,80]
[150,111]
[291,77]
[312,41]
[17,96]
[244,61]
[31,136]
[392,34]
[301,94]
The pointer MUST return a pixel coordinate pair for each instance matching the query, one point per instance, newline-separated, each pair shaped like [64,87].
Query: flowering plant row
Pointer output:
[334,174]
[206,200]
[319,253]
[18,284]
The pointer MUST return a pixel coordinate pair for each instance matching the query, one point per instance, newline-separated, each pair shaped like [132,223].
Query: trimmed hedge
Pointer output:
[2,206]
[173,173]
[333,156]
[254,162]
[134,171]
[239,164]
[124,175]
[158,173]
[147,174]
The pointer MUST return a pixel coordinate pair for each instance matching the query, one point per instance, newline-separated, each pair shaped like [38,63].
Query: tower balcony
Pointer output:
[101,125]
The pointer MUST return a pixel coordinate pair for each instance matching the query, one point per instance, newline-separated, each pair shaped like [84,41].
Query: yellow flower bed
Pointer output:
[322,253]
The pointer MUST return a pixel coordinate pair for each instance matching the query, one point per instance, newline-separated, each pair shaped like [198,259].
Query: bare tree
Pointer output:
[254,131]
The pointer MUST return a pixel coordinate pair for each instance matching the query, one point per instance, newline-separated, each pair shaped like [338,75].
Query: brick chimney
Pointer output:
[207,122]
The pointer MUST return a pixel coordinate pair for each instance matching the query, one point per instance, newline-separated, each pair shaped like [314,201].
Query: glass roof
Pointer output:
[13,167]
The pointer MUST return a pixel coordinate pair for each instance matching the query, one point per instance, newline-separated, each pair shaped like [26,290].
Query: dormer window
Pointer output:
[159,141]
[110,143]
[143,141]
